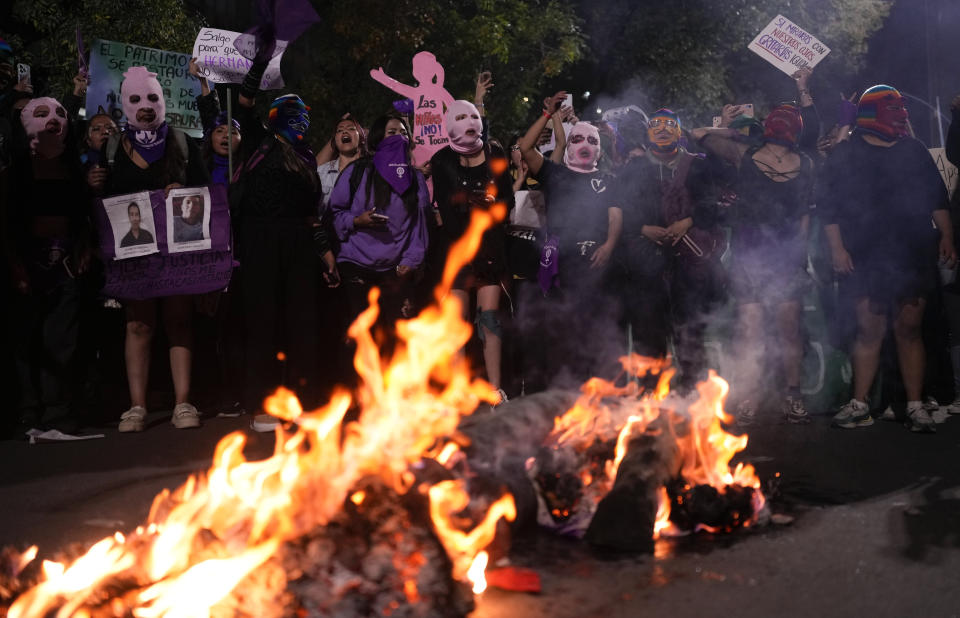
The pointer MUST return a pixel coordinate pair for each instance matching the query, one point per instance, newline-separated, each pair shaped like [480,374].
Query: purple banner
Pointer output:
[156,246]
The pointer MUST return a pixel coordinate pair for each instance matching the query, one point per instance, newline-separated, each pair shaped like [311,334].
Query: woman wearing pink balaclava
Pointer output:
[49,244]
[472,173]
[584,223]
[150,156]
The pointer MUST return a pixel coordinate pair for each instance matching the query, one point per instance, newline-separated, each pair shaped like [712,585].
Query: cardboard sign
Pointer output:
[787,46]
[221,63]
[156,246]
[108,62]
[430,100]
[947,170]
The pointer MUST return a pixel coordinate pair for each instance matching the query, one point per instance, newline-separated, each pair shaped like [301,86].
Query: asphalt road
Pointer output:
[876,527]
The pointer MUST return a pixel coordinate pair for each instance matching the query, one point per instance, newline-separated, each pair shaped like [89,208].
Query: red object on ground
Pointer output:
[513,578]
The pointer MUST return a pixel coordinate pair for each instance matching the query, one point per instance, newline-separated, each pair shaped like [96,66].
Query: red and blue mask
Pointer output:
[882,112]
[783,125]
[289,117]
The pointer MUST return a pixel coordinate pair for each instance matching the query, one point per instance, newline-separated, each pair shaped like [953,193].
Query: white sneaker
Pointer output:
[919,420]
[132,420]
[185,416]
[954,407]
[853,414]
[264,423]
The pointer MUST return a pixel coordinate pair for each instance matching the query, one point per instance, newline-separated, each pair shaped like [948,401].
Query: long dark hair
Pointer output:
[361,142]
[381,188]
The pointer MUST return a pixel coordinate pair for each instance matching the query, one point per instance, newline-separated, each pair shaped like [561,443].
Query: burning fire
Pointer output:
[218,529]
[606,412]
[203,539]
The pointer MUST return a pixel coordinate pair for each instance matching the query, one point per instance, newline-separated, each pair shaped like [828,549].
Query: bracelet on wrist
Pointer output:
[547,114]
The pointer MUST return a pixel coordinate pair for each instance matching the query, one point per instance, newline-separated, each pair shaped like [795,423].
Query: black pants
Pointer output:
[46,339]
[398,300]
[280,273]
[577,325]
[696,290]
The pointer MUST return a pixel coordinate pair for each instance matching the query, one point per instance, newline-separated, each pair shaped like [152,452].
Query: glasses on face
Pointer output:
[658,122]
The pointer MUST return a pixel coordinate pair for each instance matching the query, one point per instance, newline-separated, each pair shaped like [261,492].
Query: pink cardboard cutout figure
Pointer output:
[429,98]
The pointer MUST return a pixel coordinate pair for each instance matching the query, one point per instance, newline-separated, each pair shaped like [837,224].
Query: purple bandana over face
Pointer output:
[393,163]
[149,144]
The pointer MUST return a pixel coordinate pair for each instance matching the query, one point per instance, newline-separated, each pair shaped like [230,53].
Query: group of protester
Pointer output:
[646,231]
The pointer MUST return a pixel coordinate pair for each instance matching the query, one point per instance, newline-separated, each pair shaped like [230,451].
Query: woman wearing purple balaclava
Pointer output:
[151,155]
[469,174]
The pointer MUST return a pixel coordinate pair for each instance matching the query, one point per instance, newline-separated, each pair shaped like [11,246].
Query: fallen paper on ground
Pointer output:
[54,435]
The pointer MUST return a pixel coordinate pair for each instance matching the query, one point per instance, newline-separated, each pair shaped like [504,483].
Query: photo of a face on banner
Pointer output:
[188,216]
[131,218]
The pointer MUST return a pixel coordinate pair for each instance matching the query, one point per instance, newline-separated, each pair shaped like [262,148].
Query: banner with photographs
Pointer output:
[155,245]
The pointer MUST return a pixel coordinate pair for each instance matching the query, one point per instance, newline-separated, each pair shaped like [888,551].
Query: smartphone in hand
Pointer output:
[23,73]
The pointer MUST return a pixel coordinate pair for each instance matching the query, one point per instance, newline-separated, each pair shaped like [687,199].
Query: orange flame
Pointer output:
[476,573]
[605,411]
[408,404]
[447,499]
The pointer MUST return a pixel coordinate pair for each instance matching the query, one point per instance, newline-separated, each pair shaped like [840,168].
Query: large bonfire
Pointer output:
[211,547]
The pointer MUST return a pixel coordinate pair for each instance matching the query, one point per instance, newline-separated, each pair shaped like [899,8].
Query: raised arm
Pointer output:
[194,69]
[559,134]
[484,84]
[721,142]
[528,143]
[251,83]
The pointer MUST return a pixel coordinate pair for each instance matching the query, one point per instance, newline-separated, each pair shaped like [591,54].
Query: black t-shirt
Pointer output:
[882,199]
[767,211]
[127,177]
[577,204]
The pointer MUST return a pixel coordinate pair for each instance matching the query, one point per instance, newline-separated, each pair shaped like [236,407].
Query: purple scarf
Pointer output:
[219,172]
[393,163]
[149,144]
[549,264]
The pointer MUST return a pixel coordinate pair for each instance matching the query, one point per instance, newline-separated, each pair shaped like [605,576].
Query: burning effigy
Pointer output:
[393,513]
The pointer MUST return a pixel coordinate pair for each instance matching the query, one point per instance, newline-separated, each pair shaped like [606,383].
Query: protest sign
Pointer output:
[429,98]
[164,258]
[221,63]
[108,62]
[947,170]
[787,46]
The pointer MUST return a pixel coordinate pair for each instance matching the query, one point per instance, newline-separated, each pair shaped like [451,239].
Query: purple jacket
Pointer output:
[401,242]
